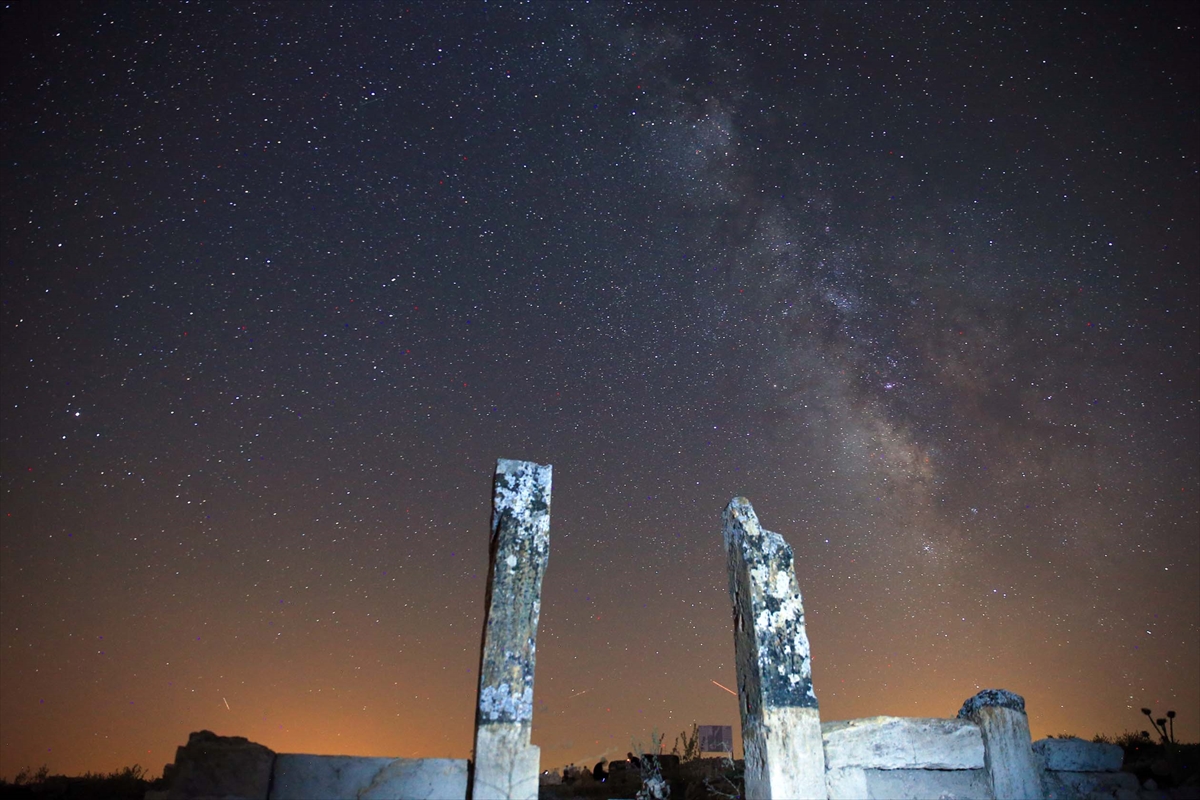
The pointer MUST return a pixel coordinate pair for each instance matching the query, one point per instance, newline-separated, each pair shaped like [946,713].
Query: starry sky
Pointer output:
[281,281]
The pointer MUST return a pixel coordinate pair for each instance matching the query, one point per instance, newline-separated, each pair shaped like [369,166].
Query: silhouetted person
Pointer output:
[598,770]
[634,761]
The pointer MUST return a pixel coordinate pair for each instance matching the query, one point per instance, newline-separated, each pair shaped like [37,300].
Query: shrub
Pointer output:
[691,744]
[1160,726]
[129,783]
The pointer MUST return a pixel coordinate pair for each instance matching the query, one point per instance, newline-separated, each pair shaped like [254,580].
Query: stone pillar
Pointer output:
[1007,749]
[506,764]
[781,725]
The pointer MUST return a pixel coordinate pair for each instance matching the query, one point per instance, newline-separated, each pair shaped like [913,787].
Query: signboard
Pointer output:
[716,738]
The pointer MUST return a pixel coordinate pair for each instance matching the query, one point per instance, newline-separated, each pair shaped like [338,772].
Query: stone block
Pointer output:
[787,761]
[1007,749]
[506,765]
[1107,784]
[1054,789]
[903,743]
[225,767]
[855,783]
[307,777]
[846,783]
[924,784]
[1076,755]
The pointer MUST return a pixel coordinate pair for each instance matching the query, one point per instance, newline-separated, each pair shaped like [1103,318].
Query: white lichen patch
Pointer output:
[502,704]
[772,544]
[780,586]
[522,491]
[759,573]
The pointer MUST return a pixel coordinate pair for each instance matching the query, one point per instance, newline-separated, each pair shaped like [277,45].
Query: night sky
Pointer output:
[281,281]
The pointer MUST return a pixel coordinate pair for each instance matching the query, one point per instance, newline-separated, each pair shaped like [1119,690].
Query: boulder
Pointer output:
[218,768]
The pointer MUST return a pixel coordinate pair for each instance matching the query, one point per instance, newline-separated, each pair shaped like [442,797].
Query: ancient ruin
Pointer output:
[985,753]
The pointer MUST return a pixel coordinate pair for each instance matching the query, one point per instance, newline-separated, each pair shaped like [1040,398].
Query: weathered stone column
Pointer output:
[506,764]
[1007,749]
[781,725]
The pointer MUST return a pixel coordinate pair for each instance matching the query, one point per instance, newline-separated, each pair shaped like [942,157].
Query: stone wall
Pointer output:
[865,759]
[233,768]
[1072,769]
[302,777]
[908,757]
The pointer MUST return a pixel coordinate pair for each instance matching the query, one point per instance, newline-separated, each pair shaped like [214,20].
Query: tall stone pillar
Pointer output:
[1007,749]
[506,764]
[781,725]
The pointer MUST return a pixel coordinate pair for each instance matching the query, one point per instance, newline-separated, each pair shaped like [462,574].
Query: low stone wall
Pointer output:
[907,758]
[303,777]
[234,768]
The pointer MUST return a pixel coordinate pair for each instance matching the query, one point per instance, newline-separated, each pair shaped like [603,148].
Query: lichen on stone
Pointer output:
[763,585]
[522,493]
[1001,698]
[520,550]
[502,704]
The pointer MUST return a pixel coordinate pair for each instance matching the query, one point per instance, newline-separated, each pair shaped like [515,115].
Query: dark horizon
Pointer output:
[281,281]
